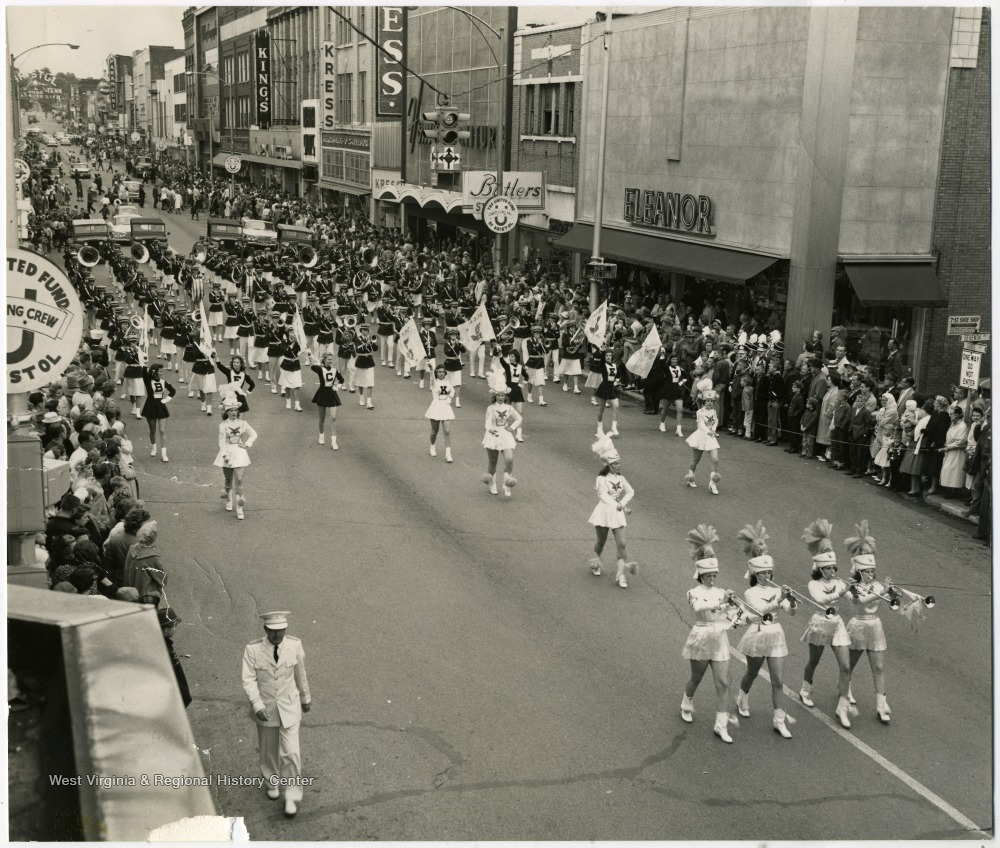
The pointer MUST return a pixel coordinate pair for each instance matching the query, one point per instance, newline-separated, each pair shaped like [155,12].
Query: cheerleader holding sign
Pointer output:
[614,493]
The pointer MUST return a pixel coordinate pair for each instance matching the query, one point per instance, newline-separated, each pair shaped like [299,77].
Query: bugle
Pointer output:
[896,592]
[745,608]
[795,598]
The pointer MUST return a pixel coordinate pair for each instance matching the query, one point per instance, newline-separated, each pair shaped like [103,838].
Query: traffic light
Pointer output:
[449,126]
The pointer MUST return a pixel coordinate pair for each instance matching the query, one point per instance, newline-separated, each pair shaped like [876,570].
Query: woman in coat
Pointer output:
[954,450]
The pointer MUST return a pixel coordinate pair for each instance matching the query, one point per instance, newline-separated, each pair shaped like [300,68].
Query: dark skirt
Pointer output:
[606,391]
[515,395]
[912,463]
[932,463]
[154,409]
[326,396]
[132,372]
[191,354]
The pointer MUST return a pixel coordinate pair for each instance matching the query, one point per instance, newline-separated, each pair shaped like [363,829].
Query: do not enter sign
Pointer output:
[44,321]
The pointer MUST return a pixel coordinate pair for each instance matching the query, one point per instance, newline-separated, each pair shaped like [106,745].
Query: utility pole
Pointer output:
[601,146]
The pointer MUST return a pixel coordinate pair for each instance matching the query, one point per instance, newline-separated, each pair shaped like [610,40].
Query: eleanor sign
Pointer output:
[669,211]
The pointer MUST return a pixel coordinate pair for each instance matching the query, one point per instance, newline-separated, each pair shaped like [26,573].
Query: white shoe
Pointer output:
[273,793]
[399,373]
[530,399]
[680,432]
[506,491]
[743,704]
[298,406]
[447,455]
[458,403]
[208,409]
[843,713]
[190,394]
[203,407]
[882,709]
[361,401]
[600,432]
[519,437]
[421,384]
[370,405]
[614,429]
[123,396]
[565,387]
[288,403]
[850,697]
[434,451]
[556,380]
[493,485]
[229,508]
[322,438]
[779,724]
[687,709]
[333,443]
[239,513]
[689,479]
[712,488]
[274,390]
[721,728]
[163,454]
[290,809]
[152,450]
[542,402]
[663,427]
[805,696]
[595,566]
[620,580]
[576,391]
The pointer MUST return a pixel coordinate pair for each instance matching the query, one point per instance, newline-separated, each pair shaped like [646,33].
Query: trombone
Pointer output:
[794,597]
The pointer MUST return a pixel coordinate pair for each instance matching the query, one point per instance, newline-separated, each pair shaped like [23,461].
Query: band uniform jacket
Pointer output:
[280,688]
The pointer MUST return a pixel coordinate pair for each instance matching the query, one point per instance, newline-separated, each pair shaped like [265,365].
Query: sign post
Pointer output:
[971,360]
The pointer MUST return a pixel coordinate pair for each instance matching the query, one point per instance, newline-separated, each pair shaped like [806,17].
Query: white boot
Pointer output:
[229,501]
[689,479]
[163,454]
[843,712]
[361,400]
[152,450]
[850,697]
[333,443]
[288,403]
[298,406]
[458,403]
[680,432]
[620,575]
[600,430]
[371,405]
[882,708]
[507,484]
[447,455]
[593,401]
[743,704]
[663,427]
[687,709]
[519,435]
[322,438]
[713,479]
[805,694]
[614,428]
[565,386]
[595,566]
[721,728]
[208,409]
[541,400]
[779,724]
[434,451]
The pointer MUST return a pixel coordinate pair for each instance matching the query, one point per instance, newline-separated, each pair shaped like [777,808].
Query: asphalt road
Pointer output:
[472,680]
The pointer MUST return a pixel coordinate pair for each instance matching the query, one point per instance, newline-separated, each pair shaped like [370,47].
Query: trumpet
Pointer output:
[794,597]
[894,596]
[745,608]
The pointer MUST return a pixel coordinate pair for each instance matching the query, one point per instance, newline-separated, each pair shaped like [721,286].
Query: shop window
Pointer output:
[550,109]
[867,329]
[344,83]
[356,169]
[529,110]
[333,164]
[309,117]
[308,144]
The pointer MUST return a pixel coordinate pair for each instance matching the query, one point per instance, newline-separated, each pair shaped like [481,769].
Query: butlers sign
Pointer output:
[669,211]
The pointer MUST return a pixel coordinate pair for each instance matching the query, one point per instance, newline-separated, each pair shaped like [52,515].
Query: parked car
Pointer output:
[132,189]
[80,169]
[257,233]
[144,167]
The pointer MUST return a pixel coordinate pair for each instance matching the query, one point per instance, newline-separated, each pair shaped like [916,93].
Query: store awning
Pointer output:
[698,260]
[895,283]
[219,160]
[358,191]
[269,160]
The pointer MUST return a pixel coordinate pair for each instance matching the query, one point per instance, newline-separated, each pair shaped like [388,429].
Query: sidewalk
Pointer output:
[954,508]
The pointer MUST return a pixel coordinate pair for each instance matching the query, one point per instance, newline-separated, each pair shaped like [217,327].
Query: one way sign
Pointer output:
[449,159]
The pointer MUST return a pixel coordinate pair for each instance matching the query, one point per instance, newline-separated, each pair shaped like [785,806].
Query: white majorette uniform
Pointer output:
[234,438]
[865,627]
[443,392]
[709,638]
[823,630]
[762,639]
[703,438]
[498,419]
[612,489]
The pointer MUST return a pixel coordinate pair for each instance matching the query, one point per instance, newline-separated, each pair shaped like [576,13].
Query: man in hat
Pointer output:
[274,678]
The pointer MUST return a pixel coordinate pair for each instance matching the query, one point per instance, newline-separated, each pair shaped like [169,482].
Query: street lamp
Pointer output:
[232,125]
[498,239]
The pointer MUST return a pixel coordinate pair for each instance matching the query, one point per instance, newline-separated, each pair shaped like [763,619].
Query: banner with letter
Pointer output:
[477,329]
[409,342]
[391,36]
[262,79]
[642,360]
[596,328]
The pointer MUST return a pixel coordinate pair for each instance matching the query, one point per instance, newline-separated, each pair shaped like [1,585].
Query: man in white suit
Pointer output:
[274,678]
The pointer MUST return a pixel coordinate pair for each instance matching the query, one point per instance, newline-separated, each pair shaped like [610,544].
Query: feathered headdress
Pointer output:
[817,538]
[497,382]
[861,548]
[605,449]
[755,536]
[700,541]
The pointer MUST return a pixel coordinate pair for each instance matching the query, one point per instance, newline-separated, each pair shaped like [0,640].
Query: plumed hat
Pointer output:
[861,548]
[700,540]
[755,536]
[817,539]
[605,449]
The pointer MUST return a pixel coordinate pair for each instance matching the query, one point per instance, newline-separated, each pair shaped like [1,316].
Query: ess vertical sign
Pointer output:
[392,50]
[262,74]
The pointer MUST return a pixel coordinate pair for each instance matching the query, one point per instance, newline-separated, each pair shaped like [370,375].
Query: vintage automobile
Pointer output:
[144,167]
[132,189]
[80,169]
[121,223]
[297,241]
[259,234]
[225,234]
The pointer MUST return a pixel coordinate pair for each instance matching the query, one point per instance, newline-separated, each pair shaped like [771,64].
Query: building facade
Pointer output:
[784,162]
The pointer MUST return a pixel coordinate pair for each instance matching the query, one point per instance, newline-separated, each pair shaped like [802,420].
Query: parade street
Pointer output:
[470,678]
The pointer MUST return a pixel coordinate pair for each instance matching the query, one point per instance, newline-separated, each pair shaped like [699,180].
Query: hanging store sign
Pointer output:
[669,211]
[262,71]
[389,61]
[525,188]
[328,81]
[113,83]
[960,324]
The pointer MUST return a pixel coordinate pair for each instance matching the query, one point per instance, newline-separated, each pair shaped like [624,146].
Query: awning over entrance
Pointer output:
[895,283]
[699,260]
[274,163]
[219,159]
[357,191]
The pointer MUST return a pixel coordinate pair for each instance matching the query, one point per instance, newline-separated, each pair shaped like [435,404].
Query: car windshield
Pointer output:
[264,226]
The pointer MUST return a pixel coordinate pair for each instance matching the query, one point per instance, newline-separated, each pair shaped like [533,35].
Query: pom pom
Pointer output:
[700,540]
[863,543]
[817,536]
[755,536]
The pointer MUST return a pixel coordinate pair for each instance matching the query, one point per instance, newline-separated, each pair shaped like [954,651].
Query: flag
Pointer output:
[914,613]
[642,360]
[144,338]
[596,328]
[205,345]
[299,330]
[477,329]
[410,344]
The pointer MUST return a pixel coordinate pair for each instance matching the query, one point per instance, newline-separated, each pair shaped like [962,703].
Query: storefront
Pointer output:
[805,197]
[345,171]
